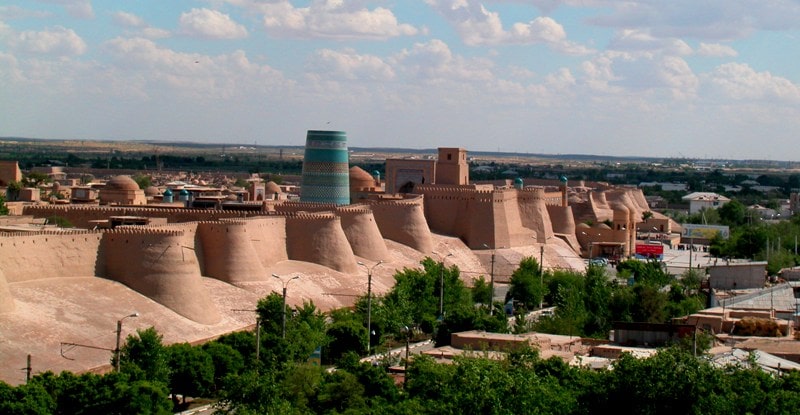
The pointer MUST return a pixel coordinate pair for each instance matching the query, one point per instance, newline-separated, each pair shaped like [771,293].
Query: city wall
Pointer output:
[43,255]
[361,230]
[159,269]
[403,221]
[319,238]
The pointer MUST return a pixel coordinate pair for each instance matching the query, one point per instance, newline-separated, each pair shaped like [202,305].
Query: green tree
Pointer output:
[481,291]
[347,334]
[143,181]
[3,207]
[13,189]
[191,371]
[597,302]
[144,357]
[30,399]
[305,331]
[733,213]
[34,179]
[226,360]
[525,286]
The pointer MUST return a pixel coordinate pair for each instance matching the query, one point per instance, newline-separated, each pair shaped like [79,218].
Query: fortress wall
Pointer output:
[562,219]
[638,198]
[552,198]
[6,299]
[403,221]
[80,216]
[319,238]
[445,207]
[229,254]
[268,238]
[361,230]
[534,213]
[480,224]
[156,263]
[508,228]
[47,254]
[294,207]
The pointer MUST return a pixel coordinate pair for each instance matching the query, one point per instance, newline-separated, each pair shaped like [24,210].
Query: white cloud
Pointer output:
[128,20]
[478,26]
[741,82]
[641,41]
[435,62]
[711,20]
[81,9]
[333,19]
[155,69]
[56,41]
[716,50]
[350,65]
[210,24]
[139,26]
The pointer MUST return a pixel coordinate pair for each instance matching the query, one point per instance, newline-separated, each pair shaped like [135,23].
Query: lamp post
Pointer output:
[369,300]
[283,316]
[441,283]
[407,331]
[491,284]
[119,335]
[541,274]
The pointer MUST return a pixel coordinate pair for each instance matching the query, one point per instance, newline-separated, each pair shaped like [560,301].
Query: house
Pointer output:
[704,200]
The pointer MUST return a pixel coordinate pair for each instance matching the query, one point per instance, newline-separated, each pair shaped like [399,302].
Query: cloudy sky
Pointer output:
[677,78]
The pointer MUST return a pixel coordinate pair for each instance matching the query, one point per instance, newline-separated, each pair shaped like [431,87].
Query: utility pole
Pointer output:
[441,283]
[119,334]
[369,301]
[541,273]
[283,315]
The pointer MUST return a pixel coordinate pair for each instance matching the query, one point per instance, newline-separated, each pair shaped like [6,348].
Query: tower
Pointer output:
[451,167]
[326,174]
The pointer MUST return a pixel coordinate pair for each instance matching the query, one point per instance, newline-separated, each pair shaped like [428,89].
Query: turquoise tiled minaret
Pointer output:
[326,174]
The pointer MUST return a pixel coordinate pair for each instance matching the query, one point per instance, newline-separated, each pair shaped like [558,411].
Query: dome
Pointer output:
[360,178]
[271,188]
[184,192]
[518,181]
[167,192]
[151,191]
[122,183]
[357,173]
[376,173]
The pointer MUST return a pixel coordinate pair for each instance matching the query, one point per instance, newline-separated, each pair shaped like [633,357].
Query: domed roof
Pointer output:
[184,192]
[357,173]
[151,191]
[122,183]
[518,180]
[376,173]
[167,192]
[271,188]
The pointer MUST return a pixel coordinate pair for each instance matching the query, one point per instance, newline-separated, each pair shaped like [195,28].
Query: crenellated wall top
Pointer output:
[140,230]
[50,233]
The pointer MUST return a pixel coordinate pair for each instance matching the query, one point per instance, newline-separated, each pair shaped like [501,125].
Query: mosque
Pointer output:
[190,272]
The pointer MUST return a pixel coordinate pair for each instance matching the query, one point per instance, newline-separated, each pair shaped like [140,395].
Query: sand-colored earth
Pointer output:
[85,309]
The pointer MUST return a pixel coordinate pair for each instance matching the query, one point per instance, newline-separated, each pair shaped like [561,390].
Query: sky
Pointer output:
[677,78]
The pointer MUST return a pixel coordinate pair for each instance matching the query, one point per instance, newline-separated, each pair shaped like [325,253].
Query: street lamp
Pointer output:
[119,334]
[491,283]
[369,300]
[407,330]
[283,316]
[441,283]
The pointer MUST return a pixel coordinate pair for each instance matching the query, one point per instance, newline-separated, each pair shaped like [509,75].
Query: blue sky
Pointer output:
[678,78]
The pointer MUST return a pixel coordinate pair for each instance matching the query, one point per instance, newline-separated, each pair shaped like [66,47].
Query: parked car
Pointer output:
[598,261]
